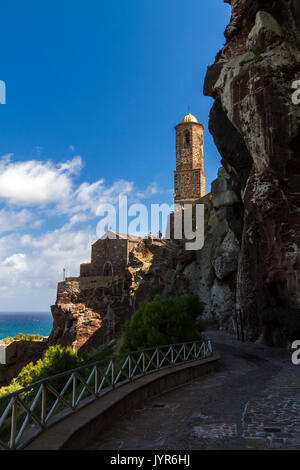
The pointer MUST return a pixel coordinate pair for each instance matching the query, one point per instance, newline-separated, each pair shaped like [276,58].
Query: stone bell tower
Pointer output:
[189,174]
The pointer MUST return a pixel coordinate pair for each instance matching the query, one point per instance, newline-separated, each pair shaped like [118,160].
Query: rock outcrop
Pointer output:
[165,271]
[19,354]
[89,311]
[256,127]
[250,259]
[212,274]
[86,315]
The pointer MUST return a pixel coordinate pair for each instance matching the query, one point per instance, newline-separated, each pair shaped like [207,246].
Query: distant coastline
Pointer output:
[12,323]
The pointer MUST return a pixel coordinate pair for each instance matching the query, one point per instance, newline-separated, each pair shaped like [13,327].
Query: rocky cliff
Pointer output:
[250,259]
[212,274]
[256,128]
[90,311]
[19,354]
[88,315]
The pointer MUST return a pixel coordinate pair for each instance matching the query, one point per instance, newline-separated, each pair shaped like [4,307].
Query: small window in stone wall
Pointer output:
[187,140]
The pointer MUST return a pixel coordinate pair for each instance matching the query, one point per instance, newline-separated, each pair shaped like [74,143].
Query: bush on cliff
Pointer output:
[165,320]
[22,337]
[6,390]
[57,359]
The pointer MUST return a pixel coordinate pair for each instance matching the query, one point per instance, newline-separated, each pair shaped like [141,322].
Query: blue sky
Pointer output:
[94,90]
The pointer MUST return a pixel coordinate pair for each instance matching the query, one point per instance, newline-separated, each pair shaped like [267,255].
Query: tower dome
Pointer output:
[189,118]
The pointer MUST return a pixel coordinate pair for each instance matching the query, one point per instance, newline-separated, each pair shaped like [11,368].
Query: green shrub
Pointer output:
[254,59]
[57,359]
[12,387]
[22,337]
[165,320]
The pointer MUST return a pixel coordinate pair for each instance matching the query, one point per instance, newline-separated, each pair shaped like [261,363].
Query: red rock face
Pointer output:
[18,355]
[256,127]
[86,318]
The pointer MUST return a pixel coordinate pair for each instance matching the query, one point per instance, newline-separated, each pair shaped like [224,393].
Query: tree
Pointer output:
[57,359]
[165,320]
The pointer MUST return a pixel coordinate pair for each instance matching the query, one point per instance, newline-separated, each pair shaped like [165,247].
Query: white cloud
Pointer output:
[76,219]
[33,182]
[28,278]
[36,183]
[85,201]
[31,262]
[71,166]
[8,245]
[12,220]
[5,159]
[15,263]
[149,191]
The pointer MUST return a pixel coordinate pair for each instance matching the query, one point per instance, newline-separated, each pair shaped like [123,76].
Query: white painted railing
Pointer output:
[27,412]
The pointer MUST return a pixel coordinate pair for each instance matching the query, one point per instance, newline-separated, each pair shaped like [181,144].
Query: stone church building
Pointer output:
[110,254]
[91,308]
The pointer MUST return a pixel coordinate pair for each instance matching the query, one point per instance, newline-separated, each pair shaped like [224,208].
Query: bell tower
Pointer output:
[189,174]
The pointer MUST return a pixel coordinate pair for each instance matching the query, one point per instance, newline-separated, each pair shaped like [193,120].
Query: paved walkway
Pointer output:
[251,402]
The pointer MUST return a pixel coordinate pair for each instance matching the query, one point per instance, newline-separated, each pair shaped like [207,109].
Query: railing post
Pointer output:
[13,427]
[96,380]
[143,362]
[113,373]
[44,404]
[157,359]
[172,356]
[74,391]
[129,367]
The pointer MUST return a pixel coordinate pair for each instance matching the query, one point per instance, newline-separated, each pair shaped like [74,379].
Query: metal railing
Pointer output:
[27,412]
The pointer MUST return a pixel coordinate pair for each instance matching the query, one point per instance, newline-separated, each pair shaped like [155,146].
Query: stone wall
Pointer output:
[188,186]
[109,258]
[192,157]
[83,283]
[112,251]
[86,269]
[189,175]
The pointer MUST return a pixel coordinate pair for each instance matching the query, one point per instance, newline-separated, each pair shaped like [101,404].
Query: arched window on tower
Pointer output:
[187,140]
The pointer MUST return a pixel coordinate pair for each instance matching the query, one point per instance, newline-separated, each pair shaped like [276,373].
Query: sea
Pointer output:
[25,322]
